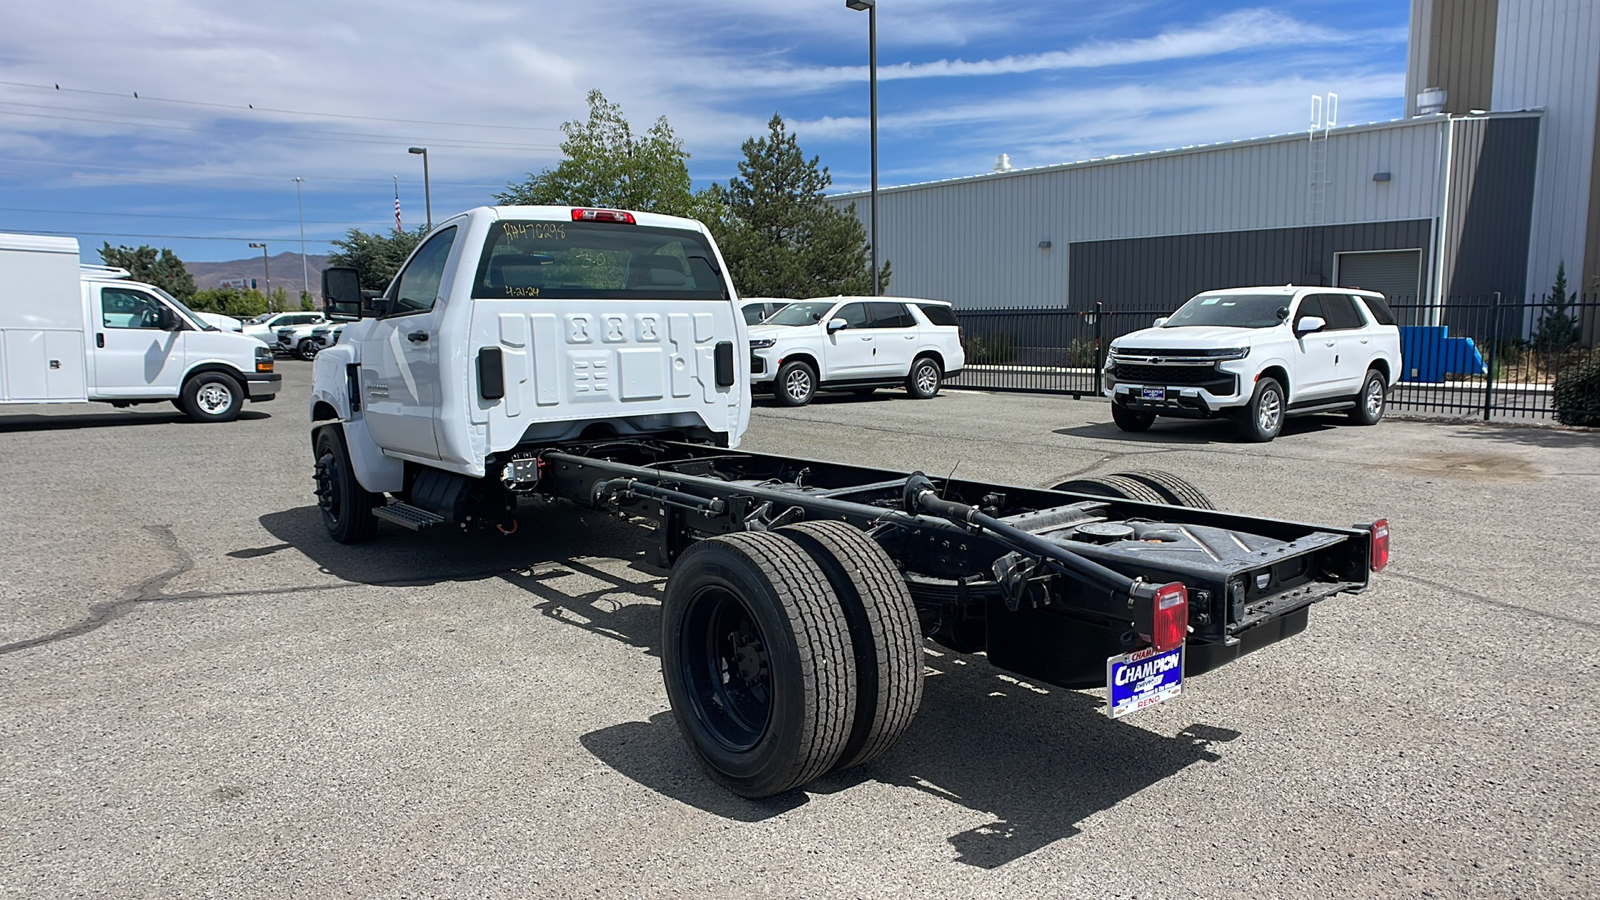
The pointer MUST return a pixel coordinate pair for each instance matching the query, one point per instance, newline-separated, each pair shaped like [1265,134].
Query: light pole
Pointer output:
[305,271]
[871,6]
[427,192]
[266,269]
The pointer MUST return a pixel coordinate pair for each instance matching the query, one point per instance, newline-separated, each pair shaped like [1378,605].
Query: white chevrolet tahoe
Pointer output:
[856,344]
[1258,355]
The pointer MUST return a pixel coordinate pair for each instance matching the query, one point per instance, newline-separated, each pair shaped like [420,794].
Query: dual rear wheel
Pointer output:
[788,654]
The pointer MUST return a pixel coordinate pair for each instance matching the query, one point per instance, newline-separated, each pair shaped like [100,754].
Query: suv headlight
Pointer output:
[762,343]
[1230,353]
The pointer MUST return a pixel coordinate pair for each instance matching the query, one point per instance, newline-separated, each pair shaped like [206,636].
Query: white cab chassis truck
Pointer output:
[71,333]
[598,357]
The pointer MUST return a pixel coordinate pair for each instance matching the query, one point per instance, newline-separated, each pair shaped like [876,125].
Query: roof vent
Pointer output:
[1002,163]
[1431,100]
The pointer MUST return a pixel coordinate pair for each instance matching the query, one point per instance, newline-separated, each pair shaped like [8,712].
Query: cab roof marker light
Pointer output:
[603,215]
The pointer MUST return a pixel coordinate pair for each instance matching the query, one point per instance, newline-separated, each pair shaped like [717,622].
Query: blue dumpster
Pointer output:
[1431,353]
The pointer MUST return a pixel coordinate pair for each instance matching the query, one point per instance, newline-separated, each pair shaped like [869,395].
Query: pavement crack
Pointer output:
[1490,601]
[149,590]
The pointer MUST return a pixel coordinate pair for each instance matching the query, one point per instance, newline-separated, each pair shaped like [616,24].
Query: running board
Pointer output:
[1322,407]
[407,516]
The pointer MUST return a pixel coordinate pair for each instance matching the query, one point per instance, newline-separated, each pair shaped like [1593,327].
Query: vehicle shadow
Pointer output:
[43,422]
[1035,760]
[1194,431]
[830,398]
[1552,438]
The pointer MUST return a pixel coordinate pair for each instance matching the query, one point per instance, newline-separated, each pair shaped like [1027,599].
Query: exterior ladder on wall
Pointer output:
[1324,114]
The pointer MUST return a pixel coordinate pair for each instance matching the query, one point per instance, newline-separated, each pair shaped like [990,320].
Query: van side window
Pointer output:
[122,308]
[417,288]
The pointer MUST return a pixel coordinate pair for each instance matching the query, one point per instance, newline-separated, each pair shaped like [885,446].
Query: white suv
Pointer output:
[857,344]
[1258,355]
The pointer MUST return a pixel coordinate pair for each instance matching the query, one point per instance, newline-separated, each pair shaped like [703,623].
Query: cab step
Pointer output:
[407,516]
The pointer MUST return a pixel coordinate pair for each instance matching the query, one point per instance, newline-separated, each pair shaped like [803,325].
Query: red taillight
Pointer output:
[1169,617]
[1380,545]
[603,215]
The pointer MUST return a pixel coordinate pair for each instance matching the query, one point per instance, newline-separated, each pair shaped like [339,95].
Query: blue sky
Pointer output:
[181,123]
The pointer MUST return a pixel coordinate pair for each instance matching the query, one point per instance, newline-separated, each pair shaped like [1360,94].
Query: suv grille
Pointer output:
[1165,374]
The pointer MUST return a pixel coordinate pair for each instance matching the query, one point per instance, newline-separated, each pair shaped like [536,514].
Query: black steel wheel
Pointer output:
[1120,487]
[796,383]
[212,397]
[1175,489]
[346,506]
[884,632]
[1262,420]
[1372,399]
[758,664]
[925,377]
[1131,419]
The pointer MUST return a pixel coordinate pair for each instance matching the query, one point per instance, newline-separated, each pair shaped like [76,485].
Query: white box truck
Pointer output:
[71,333]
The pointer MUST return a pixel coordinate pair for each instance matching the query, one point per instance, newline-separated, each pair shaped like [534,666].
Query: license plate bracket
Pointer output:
[1152,393]
[1142,679]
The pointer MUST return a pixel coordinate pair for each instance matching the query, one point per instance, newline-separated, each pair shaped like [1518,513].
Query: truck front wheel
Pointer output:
[758,664]
[212,397]
[346,506]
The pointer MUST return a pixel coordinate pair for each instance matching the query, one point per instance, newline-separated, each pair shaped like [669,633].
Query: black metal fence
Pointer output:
[1489,357]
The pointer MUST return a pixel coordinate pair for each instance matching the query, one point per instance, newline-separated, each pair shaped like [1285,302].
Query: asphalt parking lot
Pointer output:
[204,696]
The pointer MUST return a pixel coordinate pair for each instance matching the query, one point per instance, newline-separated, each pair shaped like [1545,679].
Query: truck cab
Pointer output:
[513,327]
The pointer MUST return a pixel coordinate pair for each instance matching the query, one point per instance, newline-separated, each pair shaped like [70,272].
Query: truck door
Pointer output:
[400,357]
[849,352]
[134,355]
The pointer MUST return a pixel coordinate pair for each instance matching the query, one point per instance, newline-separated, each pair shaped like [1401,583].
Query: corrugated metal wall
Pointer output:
[976,241]
[1165,271]
[1461,37]
[1490,208]
[1546,56]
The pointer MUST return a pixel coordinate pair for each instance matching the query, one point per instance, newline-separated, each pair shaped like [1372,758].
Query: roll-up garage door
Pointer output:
[1396,274]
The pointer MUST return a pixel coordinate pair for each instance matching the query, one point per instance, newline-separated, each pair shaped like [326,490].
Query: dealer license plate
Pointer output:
[1150,393]
[1143,678]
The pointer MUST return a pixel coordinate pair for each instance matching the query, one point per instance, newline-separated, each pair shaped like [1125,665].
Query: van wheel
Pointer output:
[923,382]
[757,660]
[796,383]
[1372,399]
[1262,420]
[212,397]
[346,505]
[884,632]
[1131,419]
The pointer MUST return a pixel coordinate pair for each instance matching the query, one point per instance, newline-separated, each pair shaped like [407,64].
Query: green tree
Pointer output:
[1557,330]
[163,269]
[229,301]
[607,165]
[377,257]
[778,236]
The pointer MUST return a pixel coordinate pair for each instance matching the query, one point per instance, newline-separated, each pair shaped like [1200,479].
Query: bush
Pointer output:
[991,349]
[230,302]
[1577,391]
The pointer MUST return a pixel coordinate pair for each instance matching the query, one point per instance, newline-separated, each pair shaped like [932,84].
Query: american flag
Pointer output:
[397,225]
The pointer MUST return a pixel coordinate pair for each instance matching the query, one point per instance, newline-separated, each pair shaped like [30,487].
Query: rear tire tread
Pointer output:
[1176,489]
[1116,486]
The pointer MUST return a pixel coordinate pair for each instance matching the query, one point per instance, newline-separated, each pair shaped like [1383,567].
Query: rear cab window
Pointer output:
[547,260]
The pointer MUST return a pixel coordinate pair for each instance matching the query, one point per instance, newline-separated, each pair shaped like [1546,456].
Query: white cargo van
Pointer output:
[72,332]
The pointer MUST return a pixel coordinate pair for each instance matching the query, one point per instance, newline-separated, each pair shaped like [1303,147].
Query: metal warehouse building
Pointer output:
[1488,184]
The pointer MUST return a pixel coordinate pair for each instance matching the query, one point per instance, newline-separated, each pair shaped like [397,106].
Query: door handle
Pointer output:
[1329,343]
[417,337]
[99,339]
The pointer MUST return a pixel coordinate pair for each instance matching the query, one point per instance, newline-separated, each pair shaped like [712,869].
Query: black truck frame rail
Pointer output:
[1050,583]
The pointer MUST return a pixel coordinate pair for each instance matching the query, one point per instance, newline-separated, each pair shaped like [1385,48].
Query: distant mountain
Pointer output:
[284,269]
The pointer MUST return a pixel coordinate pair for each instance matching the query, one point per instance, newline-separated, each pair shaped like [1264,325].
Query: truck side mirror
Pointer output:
[341,292]
[837,324]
